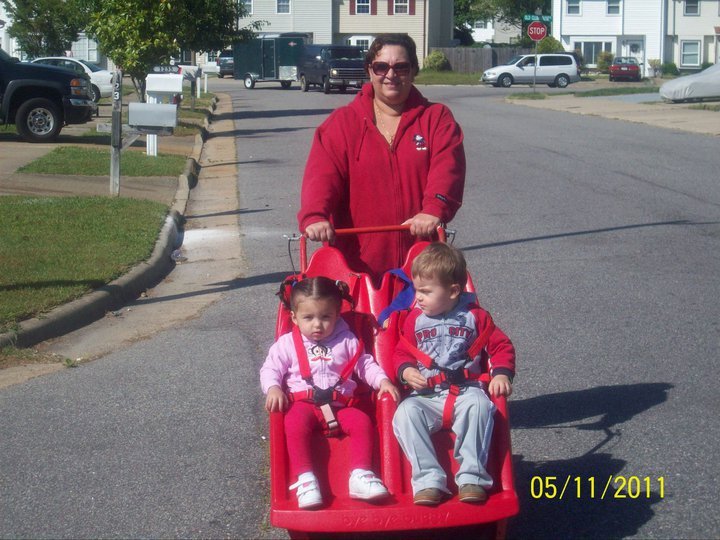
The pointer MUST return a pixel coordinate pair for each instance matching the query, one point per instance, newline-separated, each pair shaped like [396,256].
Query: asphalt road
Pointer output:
[592,242]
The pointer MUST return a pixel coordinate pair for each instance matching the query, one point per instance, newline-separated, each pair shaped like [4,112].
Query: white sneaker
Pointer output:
[365,485]
[308,491]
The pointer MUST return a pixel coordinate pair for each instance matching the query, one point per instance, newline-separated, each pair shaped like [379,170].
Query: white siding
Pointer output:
[308,16]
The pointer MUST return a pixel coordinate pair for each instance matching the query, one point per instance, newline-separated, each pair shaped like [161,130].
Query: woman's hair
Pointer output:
[443,262]
[403,40]
[315,288]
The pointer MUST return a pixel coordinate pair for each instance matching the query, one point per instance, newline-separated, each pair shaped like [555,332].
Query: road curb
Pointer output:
[96,304]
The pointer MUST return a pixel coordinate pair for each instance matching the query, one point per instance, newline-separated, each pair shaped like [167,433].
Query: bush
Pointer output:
[437,61]
[669,68]
[604,60]
[549,45]
[656,65]
[706,65]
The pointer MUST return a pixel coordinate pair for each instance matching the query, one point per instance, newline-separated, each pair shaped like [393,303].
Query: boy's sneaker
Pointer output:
[471,493]
[308,491]
[365,485]
[428,497]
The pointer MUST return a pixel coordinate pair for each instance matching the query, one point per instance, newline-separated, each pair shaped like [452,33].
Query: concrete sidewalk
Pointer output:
[630,108]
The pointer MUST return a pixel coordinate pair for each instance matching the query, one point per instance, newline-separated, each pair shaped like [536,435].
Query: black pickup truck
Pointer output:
[41,99]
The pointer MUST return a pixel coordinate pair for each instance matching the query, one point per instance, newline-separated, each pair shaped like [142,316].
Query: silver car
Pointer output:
[555,70]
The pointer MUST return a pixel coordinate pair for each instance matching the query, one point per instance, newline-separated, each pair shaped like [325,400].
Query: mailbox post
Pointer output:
[160,88]
[116,134]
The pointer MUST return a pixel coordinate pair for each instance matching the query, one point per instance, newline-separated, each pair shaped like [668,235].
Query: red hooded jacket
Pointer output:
[353,178]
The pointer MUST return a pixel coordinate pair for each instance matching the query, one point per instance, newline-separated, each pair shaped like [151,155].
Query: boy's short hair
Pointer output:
[443,262]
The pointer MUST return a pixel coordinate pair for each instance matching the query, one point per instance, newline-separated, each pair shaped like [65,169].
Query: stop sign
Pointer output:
[536,30]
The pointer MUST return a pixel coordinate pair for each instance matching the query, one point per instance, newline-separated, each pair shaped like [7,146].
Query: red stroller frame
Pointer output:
[341,514]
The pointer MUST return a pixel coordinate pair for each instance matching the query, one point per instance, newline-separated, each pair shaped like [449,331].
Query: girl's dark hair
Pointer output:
[403,40]
[316,288]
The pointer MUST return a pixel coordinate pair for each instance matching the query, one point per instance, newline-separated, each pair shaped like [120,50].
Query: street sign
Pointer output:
[536,31]
[542,18]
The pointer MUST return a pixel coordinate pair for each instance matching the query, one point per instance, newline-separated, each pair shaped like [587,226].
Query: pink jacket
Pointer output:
[354,179]
[327,360]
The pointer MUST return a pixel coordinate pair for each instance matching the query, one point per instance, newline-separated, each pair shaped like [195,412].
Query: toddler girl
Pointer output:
[310,361]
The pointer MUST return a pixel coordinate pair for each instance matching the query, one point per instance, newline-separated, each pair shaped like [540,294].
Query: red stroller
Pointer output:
[342,515]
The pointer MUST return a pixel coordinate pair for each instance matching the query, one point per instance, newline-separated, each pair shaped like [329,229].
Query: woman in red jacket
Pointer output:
[388,157]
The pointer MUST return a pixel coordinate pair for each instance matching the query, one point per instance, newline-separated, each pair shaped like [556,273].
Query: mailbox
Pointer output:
[152,117]
[164,85]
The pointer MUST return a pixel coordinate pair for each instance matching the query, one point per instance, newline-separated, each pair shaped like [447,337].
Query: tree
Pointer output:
[139,34]
[44,27]
[508,11]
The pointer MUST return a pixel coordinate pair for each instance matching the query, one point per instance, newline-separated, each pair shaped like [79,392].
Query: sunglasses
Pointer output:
[401,69]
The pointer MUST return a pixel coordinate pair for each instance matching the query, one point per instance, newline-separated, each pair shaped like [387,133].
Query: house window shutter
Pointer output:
[411,7]
[352,7]
[391,7]
[373,7]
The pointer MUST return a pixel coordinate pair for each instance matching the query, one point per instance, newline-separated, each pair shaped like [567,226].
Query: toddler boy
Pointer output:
[448,340]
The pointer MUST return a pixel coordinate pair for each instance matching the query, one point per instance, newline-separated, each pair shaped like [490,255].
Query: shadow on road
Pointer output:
[583,511]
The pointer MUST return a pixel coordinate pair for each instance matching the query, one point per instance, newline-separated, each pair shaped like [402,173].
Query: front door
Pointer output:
[636,49]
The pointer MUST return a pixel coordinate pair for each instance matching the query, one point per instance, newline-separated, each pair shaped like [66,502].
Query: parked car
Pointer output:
[332,66]
[41,99]
[557,69]
[625,67]
[225,64]
[101,79]
[699,86]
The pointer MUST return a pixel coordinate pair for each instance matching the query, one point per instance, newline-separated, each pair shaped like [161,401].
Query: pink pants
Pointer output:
[303,418]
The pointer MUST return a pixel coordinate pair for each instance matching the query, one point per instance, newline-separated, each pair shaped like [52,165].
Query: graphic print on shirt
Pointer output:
[420,143]
[446,343]
[320,353]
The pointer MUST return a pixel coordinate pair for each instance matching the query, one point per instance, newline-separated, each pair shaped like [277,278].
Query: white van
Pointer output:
[556,69]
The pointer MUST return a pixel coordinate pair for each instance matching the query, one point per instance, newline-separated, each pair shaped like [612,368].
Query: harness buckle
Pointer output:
[455,376]
[323,396]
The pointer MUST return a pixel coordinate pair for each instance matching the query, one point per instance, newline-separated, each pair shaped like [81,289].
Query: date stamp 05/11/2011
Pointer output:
[591,487]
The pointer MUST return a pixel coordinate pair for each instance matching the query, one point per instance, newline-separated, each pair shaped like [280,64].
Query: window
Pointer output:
[573,7]
[613,7]
[591,49]
[283,6]
[480,24]
[248,5]
[690,53]
[692,7]
[401,7]
[556,60]
[362,6]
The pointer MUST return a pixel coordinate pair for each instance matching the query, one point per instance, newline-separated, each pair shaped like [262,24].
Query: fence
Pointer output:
[478,59]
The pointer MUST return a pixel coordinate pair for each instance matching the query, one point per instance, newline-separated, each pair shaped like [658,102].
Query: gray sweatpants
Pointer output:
[418,417]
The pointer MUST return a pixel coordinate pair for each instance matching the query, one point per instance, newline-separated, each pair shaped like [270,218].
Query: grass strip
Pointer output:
[55,249]
[76,160]
[620,91]
[447,77]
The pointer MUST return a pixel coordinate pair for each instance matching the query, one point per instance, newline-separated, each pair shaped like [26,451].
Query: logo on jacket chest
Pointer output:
[320,353]
[420,143]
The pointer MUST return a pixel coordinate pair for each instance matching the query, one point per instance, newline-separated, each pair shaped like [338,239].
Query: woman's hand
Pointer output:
[276,400]
[321,231]
[423,224]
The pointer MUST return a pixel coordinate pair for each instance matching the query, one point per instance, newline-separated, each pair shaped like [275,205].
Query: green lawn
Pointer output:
[77,160]
[55,249]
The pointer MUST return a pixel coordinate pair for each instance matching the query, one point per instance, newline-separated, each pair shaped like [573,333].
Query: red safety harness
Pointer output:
[457,378]
[323,397]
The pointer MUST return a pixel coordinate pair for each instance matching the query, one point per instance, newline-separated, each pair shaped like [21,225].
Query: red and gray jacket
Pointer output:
[455,347]
[353,178]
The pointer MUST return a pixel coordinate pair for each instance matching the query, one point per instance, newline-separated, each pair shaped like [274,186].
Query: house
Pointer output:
[356,22]
[494,31]
[681,31]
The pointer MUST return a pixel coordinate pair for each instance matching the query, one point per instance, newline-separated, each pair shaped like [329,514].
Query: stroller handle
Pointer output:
[442,236]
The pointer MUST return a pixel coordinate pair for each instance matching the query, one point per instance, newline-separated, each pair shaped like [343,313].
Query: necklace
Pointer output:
[389,137]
